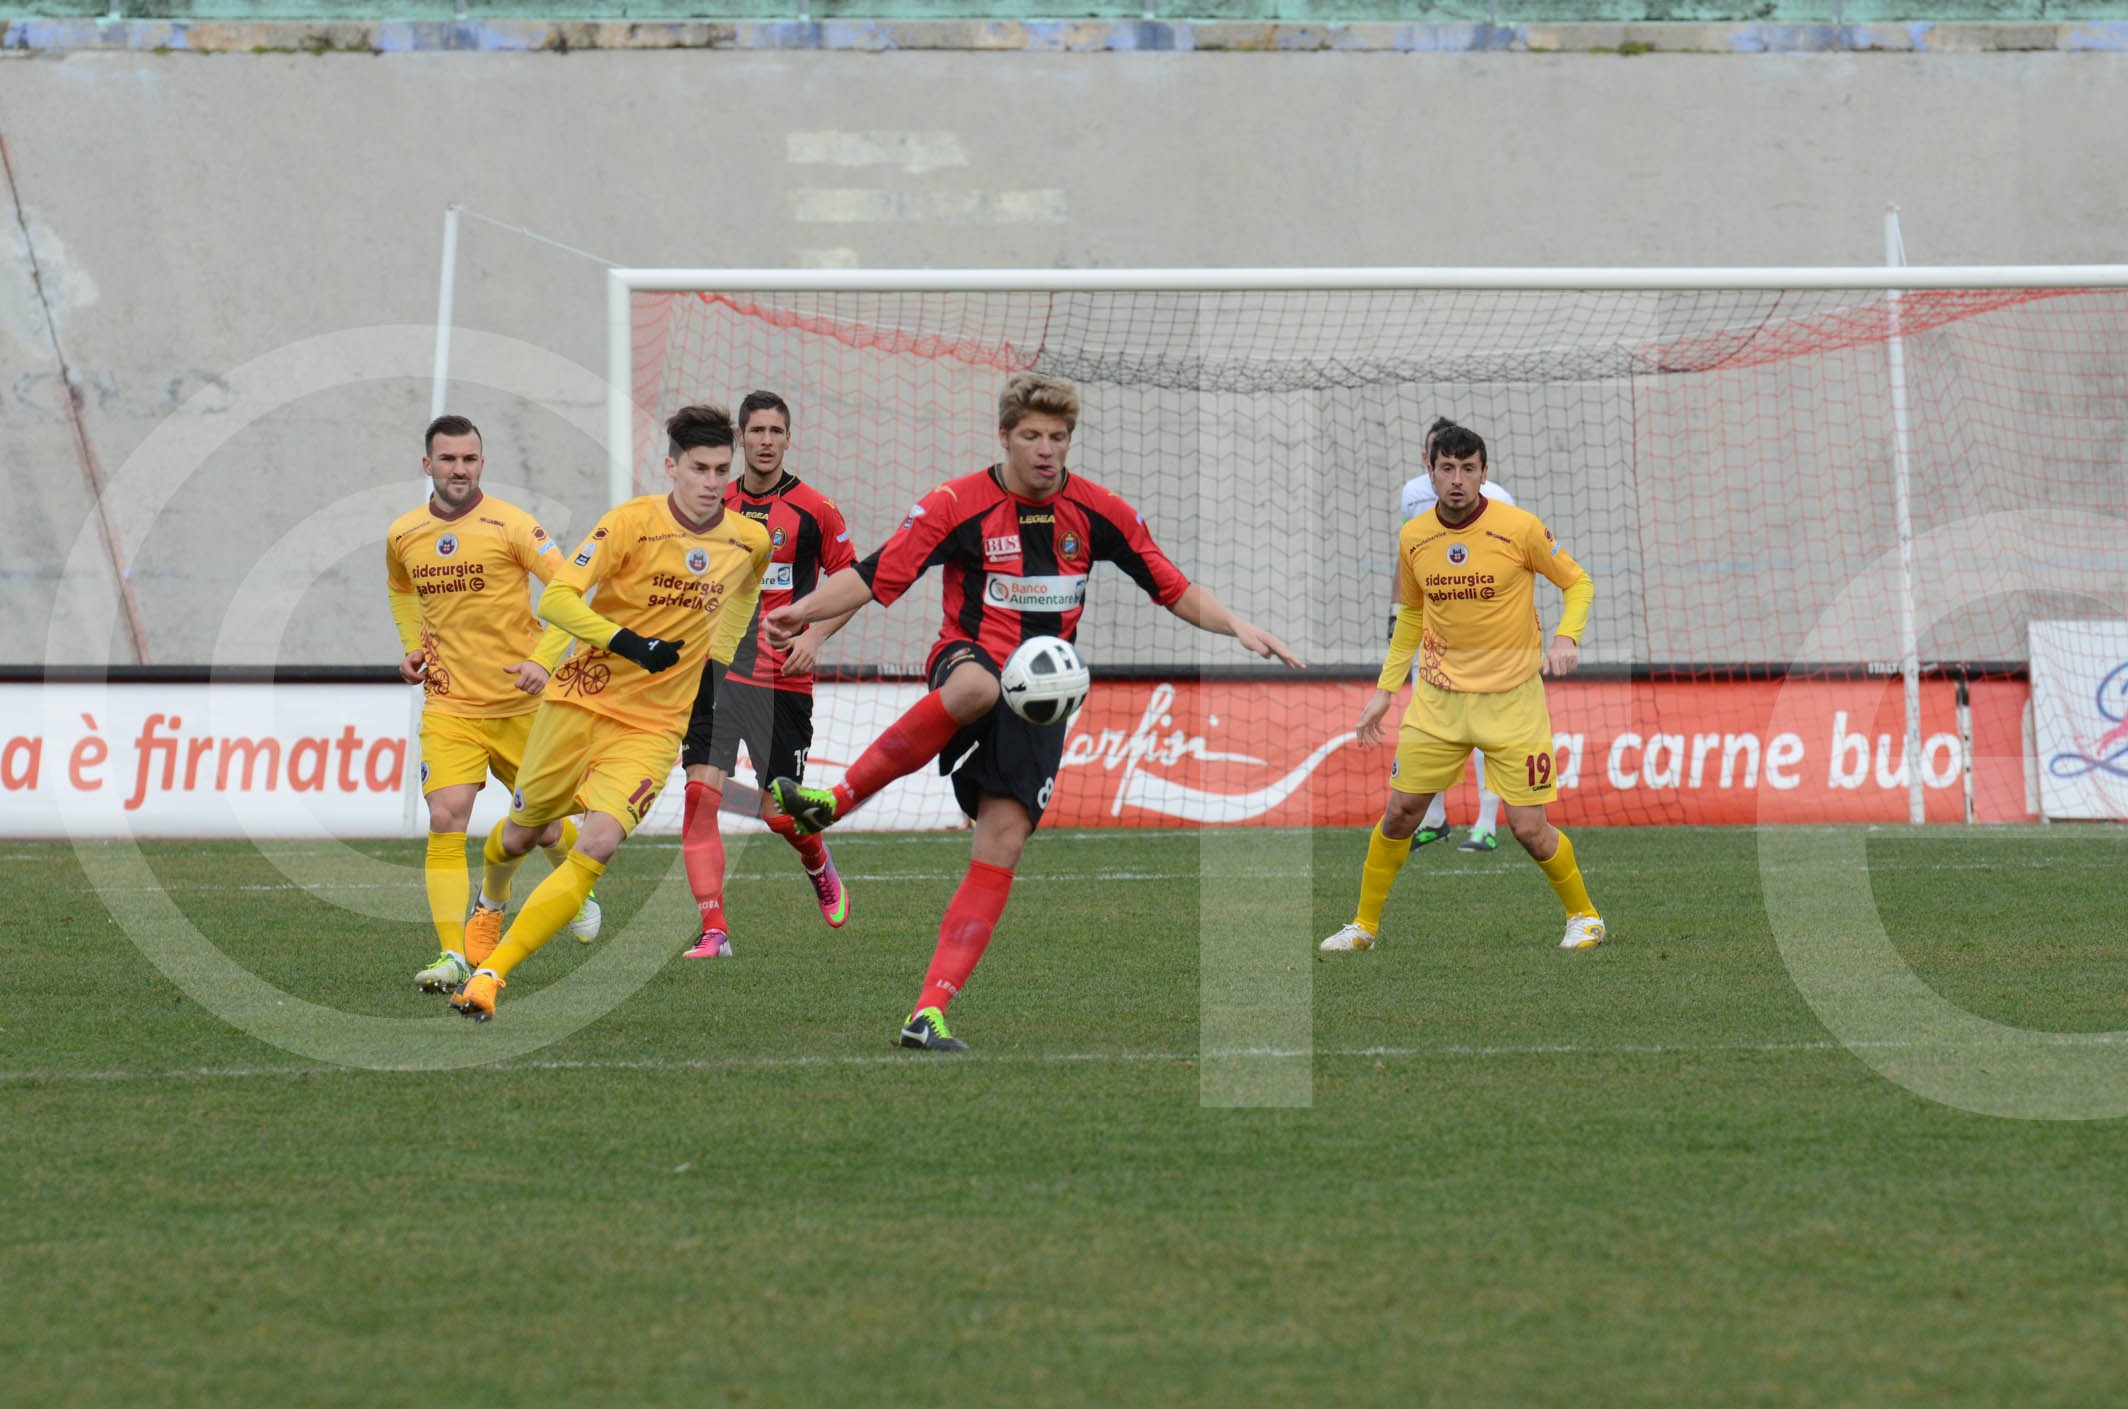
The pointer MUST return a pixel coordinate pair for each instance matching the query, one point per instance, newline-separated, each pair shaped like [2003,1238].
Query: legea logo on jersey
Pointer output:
[1458,554]
[447,545]
[1005,546]
[1037,594]
[698,561]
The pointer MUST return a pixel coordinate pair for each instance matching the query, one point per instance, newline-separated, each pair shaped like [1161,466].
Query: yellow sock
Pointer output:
[1565,877]
[546,910]
[1385,857]
[443,870]
[500,869]
[566,843]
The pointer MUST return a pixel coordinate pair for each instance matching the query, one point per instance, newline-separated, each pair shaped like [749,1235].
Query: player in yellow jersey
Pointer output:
[458,570]
[677,579]
[1467,571]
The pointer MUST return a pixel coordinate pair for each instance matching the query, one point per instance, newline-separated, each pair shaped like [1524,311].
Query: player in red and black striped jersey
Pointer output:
[1016,542]
[764,698]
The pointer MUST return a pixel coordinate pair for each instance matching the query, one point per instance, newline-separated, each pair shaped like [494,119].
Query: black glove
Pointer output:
[653,655]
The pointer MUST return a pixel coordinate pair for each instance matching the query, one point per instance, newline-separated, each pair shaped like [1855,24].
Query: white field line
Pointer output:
[741,1063]
[414,882]
[1473,868]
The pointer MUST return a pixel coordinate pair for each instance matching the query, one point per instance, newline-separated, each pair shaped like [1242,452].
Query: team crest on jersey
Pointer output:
[1457,554]
[447,545]
[1070,546]
[775,537]
[698,561]
[539,535]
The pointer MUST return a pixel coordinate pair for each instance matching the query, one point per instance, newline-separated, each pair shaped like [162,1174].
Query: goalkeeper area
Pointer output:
[1646,1174]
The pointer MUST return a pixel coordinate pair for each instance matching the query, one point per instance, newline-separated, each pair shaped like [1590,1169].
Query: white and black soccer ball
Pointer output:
[1044,681]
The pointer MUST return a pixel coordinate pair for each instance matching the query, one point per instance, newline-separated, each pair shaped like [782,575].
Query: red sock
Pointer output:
[909,743]
[702,848]
[965,932]
[812,850]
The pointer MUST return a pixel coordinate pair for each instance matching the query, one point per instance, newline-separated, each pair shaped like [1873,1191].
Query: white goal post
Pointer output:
[1767,470]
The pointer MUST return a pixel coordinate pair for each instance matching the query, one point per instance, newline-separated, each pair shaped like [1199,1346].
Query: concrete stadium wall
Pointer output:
[238,253]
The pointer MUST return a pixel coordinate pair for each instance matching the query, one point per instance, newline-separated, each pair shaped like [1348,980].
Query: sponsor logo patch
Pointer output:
[1005,546]
[1062,593]
[777,578]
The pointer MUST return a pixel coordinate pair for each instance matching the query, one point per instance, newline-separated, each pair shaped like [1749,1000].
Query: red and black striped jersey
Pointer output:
[1014,567]
[807,540]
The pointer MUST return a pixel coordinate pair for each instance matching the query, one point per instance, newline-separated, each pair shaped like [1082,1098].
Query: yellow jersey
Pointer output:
[660,578]
[1476,585]
[467,578]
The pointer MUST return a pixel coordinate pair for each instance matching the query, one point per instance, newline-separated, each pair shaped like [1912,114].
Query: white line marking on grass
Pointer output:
[186,888]
[742,1063]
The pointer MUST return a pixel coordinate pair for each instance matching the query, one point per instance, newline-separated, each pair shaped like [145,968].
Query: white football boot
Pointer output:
[1347,940]
[585,923]
[1583,932]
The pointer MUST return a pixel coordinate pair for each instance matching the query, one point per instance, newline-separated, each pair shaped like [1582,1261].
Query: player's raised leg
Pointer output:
[923,731]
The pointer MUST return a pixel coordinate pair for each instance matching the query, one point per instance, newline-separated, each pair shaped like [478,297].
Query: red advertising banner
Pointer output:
[1687,753]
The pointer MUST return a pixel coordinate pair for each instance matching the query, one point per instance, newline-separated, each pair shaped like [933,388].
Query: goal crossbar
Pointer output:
[622,283]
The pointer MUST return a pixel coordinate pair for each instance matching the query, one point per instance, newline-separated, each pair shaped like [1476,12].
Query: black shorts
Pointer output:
[1001,754]
[775,725]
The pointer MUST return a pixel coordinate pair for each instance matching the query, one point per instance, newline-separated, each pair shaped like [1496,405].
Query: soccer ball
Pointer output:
[1044,681]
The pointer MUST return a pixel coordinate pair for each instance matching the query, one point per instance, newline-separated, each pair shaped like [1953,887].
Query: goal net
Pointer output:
[1773,483]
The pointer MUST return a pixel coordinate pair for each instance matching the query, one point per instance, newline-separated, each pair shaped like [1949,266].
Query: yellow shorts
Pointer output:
[1513,729]
[578,761]
[458,749]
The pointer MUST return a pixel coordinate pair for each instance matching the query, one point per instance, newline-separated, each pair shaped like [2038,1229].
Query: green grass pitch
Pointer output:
[1188,1161]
